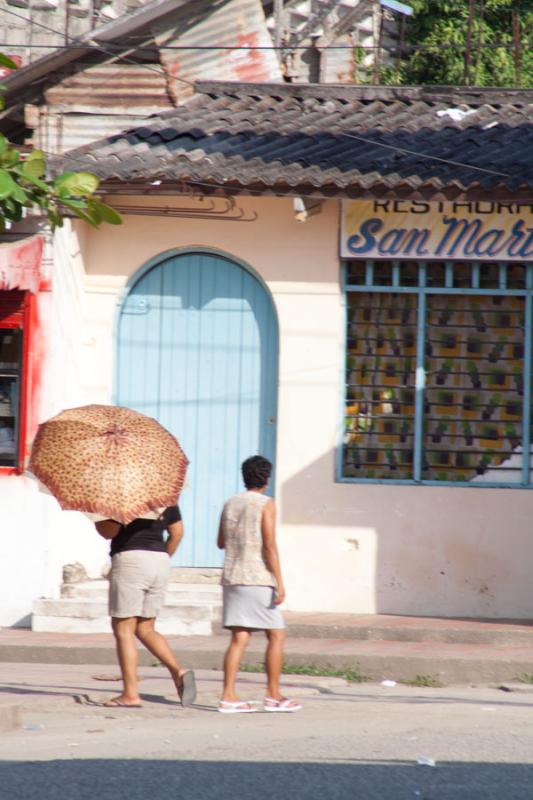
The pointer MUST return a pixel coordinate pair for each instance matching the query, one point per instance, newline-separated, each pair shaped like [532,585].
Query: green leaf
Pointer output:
[79,184]
[19,194]
[10,157]
[12,210]
[82,210]
[5,61]
[45,187]
[7,184]
[93,211]
[74,204]
[86,217]
[106,213]
[65,194]
[34,165]
[3,143]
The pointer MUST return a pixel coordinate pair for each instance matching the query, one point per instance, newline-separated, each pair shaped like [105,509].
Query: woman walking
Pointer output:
[140,568]
[253,586]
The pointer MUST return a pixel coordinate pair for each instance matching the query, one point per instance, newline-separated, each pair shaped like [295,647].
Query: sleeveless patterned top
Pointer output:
[244,564]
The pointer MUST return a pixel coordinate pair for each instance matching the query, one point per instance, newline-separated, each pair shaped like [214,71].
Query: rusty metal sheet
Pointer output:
[137,88]
[226,24]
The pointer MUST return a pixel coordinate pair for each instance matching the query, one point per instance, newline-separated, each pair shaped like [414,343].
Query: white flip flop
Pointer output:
[236,707]
[285,705]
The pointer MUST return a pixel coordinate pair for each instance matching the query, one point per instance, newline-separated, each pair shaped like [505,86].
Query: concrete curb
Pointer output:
[446,664]
[407,633]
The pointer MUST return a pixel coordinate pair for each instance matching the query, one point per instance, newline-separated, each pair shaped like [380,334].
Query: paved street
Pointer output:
[359,741]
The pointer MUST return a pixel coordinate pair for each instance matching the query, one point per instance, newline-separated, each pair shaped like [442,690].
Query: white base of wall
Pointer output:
[189,610]
[177,623]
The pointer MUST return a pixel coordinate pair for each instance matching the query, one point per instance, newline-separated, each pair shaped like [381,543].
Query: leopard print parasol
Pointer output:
[109,460]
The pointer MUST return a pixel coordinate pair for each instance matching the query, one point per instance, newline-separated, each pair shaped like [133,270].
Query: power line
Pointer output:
[423,155]
[341,133]
[251,48]
[77,43]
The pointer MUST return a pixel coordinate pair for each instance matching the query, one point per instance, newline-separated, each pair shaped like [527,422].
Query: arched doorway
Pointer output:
[197,348]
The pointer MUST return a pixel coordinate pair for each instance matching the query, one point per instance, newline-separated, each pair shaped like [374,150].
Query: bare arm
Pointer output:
[221,541]
[107,528]
[270,548]
[175,535]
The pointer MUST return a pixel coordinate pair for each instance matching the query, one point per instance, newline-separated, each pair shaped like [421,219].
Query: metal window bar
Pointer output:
[422,290]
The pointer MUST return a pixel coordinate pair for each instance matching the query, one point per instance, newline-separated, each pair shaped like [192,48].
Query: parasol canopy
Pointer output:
[109,460]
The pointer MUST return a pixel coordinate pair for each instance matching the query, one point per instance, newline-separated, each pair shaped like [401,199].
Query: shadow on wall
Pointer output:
[410,550]
[225,780]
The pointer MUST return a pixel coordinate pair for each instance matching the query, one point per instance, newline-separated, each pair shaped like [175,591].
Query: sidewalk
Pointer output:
[29,690]
[400,648]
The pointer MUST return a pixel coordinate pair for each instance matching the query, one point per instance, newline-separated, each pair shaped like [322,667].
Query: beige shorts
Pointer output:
[137,583]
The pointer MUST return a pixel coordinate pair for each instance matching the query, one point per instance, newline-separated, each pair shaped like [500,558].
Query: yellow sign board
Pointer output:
[447,230]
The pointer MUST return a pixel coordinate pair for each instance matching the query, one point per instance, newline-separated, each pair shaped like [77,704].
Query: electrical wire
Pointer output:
[253,48]
[341,133]
[423,155]
[76,43]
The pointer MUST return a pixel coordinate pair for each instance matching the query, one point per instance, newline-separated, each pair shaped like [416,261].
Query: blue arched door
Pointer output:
[198,350]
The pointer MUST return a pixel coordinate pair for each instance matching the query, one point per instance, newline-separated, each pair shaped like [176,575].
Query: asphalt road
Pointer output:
[347,743]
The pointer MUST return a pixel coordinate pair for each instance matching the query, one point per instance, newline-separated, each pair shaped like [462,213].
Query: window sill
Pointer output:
[10,471]
[443,484]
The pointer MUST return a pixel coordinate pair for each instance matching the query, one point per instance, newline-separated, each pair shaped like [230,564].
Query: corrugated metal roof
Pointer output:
[132,91]
[233,23]
[115,88]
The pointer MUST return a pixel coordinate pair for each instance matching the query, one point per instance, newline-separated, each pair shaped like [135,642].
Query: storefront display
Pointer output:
[438,361]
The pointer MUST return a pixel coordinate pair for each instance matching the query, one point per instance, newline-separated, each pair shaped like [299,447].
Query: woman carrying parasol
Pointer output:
[140,566]
[123,466]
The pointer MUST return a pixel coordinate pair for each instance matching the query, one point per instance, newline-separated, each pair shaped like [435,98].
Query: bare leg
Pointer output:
[124,632]
[274,661]
[239,641]
[158,646]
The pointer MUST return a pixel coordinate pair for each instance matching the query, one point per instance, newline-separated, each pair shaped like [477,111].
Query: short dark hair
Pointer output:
[256,471]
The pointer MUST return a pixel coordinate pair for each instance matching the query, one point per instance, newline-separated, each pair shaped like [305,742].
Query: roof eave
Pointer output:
[327,191]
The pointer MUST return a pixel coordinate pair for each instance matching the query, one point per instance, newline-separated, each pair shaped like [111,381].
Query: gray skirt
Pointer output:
[251,607]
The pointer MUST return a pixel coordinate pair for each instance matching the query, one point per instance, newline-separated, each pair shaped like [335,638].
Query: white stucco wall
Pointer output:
[38,537]
[345,547]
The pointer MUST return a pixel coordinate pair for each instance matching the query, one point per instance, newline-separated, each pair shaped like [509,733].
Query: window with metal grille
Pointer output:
[13,313]
[438,373]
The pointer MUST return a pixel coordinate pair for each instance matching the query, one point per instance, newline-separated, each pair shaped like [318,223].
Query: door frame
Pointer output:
[152,262]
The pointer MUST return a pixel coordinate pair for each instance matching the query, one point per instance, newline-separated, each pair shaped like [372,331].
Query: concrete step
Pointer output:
[194,593]
[195,575]
[91,616]
[390,628]
[193,606]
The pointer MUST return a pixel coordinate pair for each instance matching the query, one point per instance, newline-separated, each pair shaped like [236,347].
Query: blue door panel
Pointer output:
[198,349]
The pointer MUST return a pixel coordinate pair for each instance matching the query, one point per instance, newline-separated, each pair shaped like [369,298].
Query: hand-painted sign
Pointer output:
[415,229]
